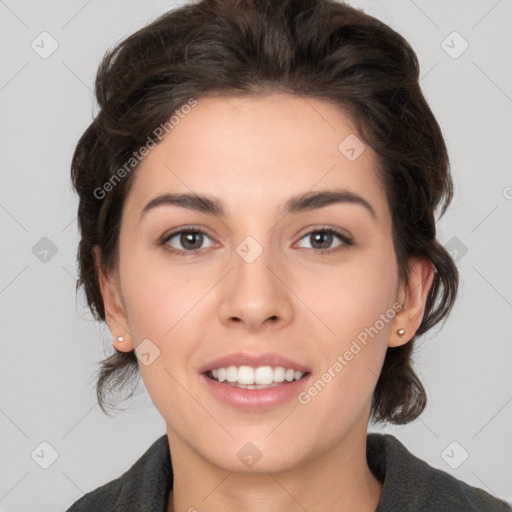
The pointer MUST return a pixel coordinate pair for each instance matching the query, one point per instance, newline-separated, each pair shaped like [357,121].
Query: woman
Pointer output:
[257,213]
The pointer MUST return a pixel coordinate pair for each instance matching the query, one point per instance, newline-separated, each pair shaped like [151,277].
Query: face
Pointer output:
[310,286]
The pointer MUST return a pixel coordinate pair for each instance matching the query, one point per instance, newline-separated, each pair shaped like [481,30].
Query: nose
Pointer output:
[255,293]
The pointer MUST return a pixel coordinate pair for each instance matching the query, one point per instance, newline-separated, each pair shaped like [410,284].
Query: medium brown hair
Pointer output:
[311,48]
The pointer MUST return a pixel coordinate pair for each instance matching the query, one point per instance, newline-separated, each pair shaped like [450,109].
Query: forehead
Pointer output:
[253,151]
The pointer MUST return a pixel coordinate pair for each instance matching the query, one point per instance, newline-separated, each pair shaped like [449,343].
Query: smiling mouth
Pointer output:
[261,377]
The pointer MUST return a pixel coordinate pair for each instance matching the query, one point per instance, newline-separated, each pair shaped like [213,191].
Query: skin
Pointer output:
[253,154]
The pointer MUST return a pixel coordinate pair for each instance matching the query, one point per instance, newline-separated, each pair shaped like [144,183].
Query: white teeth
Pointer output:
[231,373]
[264,375]
[279,374]
[256,378]
[245,375]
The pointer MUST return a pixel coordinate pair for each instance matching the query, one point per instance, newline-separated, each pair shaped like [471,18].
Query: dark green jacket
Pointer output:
[409,484]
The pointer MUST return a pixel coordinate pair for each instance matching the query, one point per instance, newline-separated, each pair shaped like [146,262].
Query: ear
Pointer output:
[413,296]
[115,314]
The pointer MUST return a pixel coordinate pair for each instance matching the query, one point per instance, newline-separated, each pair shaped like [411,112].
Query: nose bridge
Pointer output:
[254,293]
[252,276]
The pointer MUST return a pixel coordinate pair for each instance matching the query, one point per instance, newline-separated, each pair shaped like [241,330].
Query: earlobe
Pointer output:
[413,295]
[115,315]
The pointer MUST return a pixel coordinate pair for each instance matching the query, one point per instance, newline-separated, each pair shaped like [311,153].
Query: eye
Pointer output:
[322,239]
[190,239]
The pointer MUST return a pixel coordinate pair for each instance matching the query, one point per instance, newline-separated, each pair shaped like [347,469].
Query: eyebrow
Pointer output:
[296,204]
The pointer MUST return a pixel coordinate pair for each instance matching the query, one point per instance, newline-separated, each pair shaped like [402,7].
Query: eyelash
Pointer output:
[347,242]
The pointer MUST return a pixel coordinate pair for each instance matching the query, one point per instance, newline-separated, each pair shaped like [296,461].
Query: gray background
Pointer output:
[50,343]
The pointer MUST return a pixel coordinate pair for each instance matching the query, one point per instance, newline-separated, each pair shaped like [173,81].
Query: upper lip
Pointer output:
[254,360]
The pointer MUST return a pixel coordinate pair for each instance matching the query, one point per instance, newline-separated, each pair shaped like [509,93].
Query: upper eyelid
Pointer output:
[177,231]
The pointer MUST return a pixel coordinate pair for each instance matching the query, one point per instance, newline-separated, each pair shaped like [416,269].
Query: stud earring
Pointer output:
[400,332]
[120,339]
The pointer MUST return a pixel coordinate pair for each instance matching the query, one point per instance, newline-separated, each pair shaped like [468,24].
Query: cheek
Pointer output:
[165,304]
[351,297]
[355,303]
[358,311]
[156,293]
[160,307]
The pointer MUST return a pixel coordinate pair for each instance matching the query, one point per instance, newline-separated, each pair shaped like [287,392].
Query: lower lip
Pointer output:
[255,399]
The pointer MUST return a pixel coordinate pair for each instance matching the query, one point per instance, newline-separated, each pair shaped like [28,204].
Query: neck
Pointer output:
[339,480]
